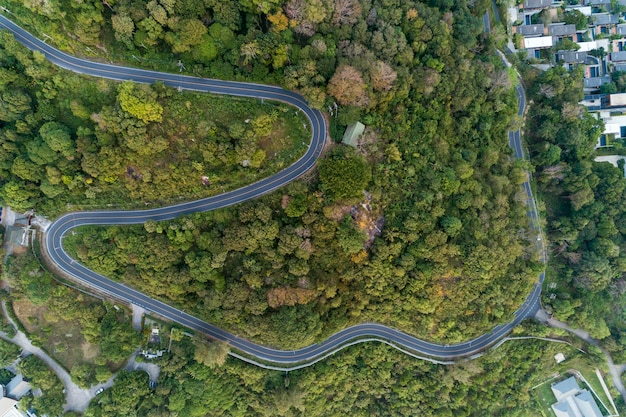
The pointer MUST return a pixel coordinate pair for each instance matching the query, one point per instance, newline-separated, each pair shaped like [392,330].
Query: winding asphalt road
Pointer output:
[282,359]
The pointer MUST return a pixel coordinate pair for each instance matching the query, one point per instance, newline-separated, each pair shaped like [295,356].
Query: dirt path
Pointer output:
[76,398]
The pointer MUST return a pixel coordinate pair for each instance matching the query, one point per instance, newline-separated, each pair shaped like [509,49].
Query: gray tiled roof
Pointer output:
[596,81]
[618,56]
[529,30]
[572,56]
[537,4]
[559,29]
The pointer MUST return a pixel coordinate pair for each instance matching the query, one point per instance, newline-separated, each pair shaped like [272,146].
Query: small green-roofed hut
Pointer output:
[351,137]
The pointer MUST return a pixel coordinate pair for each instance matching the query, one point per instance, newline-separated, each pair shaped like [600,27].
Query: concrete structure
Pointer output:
[559,357]
[614,127]
[353,132]
[597,44]
[540,42]
[572,401]
[617,99]
[16,236]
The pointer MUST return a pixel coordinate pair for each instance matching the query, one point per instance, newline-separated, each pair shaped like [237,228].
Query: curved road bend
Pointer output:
[309,354]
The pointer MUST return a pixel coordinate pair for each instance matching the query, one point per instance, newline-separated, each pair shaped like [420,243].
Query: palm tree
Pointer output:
[249,51]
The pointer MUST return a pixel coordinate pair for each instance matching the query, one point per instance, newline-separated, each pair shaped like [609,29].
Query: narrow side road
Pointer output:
[615,370]
[76,398]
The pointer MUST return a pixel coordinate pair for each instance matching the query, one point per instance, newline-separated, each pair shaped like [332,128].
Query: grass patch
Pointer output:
[544,397]
[207,136]
[512,74]
[62,339]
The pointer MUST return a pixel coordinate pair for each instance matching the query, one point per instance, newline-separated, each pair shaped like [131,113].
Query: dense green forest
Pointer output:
[422,227]
[72,141]
[586,216]
[365,380]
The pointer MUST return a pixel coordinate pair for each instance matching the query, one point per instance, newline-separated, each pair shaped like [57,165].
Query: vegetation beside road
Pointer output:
[444,193]
[75,142]
[368,380]
[453,257]
[586,217]
[89,338]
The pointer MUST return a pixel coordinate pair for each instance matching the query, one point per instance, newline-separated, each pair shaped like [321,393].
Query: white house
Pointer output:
[572,401]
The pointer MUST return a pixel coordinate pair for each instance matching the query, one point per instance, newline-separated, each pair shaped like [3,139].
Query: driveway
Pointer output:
[76,398]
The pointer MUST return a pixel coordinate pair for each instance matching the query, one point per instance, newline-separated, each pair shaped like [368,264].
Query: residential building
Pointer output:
[8,408]
[619,56]
[614,127]
[573,401]
[562,31]
[596,3]
[571,57]
[604,23]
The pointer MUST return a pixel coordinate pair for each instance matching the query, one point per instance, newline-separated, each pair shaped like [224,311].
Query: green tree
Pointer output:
[211,353]
[344,174]
[140,102]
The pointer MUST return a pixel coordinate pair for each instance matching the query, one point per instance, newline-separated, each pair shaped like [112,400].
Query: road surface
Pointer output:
[286,359]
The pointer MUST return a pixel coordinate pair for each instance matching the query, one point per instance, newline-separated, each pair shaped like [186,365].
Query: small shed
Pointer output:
[353,132]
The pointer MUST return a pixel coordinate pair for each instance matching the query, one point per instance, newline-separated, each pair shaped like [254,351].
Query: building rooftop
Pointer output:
[529,30]
[587,405]
[597,44]
[571,57]
[585,10]
[17,388]
[561,29]
[618,99]
[8,408]
[565,388]
[618,56]
[604,19]
[351,136]
[537,4]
